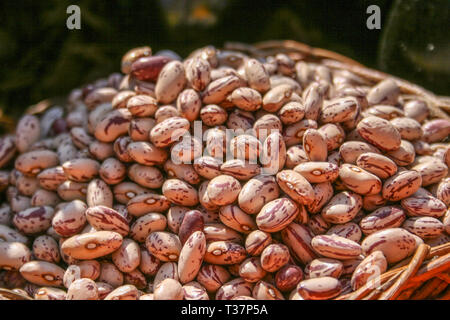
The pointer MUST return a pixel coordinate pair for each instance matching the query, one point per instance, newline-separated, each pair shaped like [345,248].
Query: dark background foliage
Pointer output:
[40,58]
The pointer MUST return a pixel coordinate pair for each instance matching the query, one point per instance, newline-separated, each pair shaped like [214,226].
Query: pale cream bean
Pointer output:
[318,172]
[198,73]
[359,180]
[45,248]
[383,218]
[189,104]
[322,288]
[295,186]
[121,98]
[142,105]
[385,92]
[246,99]
[436,130]
[112,171]
[291,112]
[194,291]
[275,98]
[110,275]
[265,125]
[276,215]
[293,134]
[33,162]
[212,276]
[70,219]
[431,172]
[240,169]
[92,245]
[105,218]
[165,246]
[125,191]
[349,230]
[113,125]
[273,155]
[182,171]
[180,192]
[149,264]
[342,208]
[257,192]
[120,149]
[33,220]
[128,256]
[379,132]
[171,81]
[140,128]
[384,111]
[223,190]
[13,255]
[169,289]
[408,128]
[257,76]
[424,227]
[27,132]
[324,267]
[219,89]
[48,293]
[395,243]
[147,202]
[99,194]
[374,265]
[148,177]
[191,257]
[125,292]
[213,115]
[416,109]
[274,256]
[207,167]
[42,197]
[339,110]
[333,246]
[251,270]
[42,273]
[224,253]
[266,291]
[294,156]
[334,135]
[146,224]
[401,185]
[234,288]
[82,289]
[379,165]
[233,217]
[404,155]
[245,147]
[216,143]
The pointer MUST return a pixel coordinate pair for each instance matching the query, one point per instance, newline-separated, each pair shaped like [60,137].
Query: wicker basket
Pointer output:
[426,274]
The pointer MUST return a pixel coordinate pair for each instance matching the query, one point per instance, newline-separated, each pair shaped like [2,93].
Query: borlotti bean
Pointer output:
[220,177]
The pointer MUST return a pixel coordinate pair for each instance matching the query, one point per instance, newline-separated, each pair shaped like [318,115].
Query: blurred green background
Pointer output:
[40,58]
